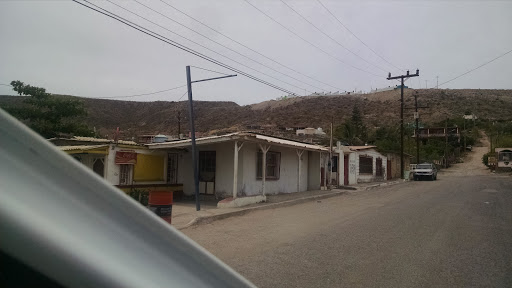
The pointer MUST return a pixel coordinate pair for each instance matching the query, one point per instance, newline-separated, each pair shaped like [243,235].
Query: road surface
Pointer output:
[453,232]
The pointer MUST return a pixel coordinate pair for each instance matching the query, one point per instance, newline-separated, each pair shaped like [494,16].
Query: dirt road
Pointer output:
[472,164]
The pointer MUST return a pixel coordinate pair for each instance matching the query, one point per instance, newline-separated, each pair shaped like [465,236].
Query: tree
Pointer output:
[47,114]
[353,131]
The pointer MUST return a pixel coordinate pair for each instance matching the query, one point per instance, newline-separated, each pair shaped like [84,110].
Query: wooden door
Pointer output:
[345,170]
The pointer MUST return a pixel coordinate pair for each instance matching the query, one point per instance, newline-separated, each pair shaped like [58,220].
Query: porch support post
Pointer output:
[235,168]
[264,149]
[299,154]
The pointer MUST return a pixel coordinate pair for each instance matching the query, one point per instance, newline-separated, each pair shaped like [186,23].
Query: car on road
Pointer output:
[426,171]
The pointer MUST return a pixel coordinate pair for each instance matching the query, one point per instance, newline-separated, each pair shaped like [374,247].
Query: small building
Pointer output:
[504,157]
[244,164]
[124,164]
[360,164]
[393,165]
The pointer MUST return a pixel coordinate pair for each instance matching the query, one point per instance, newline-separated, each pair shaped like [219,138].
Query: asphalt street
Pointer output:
[453,232]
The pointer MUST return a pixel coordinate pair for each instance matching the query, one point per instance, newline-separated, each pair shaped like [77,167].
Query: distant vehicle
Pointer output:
[469,148]
[425,170]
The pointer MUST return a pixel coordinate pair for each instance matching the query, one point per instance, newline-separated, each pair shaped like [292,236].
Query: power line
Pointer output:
[247,47]
[226,47]
[137,95]
[309,42]
[6,85]
[209,70]
[480,66]
[343,25]
[142,17]
[334,40]
[182,47]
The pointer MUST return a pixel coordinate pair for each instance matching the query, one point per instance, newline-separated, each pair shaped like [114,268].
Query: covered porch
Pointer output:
[243,168]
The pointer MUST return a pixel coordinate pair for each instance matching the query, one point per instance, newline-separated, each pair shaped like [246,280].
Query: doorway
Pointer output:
[345,170]
[207,165]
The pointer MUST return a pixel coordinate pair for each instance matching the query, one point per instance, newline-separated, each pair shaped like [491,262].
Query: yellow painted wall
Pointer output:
[149,168]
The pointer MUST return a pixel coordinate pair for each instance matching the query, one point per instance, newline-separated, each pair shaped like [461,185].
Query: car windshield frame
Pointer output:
[424,166]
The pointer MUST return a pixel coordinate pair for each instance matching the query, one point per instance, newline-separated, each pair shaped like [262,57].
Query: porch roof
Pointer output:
[240,136]
[77,149]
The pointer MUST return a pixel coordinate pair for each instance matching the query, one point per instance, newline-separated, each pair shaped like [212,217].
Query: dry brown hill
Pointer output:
[379,109]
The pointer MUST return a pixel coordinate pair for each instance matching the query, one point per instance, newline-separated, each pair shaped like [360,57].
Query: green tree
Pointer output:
[47,114]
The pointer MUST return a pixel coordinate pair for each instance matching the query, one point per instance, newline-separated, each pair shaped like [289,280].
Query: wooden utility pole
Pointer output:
[416,118]
[330,153]
[446,143]
[402,77]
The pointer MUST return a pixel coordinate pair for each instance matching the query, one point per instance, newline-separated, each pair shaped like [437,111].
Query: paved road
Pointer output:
[453,232]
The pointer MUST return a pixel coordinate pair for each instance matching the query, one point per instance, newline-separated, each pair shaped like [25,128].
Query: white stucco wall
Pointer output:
[313,170]
[365,178]
[287,182]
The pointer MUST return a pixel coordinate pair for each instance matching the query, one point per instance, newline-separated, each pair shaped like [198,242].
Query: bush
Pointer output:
[140,195]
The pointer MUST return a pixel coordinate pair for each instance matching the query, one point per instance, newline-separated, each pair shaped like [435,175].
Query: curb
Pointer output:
[383,184]
[212,218]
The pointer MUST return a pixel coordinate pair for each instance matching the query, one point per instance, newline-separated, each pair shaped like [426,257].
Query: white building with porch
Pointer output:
[359,164]
[244,167]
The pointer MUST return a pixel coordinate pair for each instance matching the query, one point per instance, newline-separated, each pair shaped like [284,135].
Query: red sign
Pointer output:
[126,157]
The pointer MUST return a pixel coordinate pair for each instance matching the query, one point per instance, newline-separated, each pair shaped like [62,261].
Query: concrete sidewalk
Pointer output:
[184,213]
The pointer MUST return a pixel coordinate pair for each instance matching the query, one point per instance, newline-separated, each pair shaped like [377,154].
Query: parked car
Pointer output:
[425,170]
[469,148]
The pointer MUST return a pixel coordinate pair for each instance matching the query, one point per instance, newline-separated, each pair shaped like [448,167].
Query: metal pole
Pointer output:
[464,135]
[402,176]
[193,136]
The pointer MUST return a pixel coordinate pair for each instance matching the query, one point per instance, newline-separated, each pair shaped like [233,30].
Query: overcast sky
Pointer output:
[69,49]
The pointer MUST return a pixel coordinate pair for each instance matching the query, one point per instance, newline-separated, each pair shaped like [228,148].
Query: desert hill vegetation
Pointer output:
[358,119]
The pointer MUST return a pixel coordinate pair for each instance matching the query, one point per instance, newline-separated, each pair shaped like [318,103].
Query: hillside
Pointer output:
[379,109]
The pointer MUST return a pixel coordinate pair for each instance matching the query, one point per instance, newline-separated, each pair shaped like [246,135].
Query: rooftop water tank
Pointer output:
[160,138]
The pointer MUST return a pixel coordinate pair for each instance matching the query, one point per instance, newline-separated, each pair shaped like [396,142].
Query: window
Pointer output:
[172,168]
[125,174]
[365,165]
[505,155]
[207,163]
[98,166]
[273,165]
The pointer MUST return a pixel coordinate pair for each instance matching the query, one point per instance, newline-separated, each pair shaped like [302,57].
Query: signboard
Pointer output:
[416,115]
[126,157]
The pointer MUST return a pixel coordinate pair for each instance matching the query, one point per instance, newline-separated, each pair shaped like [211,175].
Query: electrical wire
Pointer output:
[343,25]
[142,17]
[249,48]
[137,95]
[209,70]
[226,47]
[182,47]
[327,35]
[478,67]
[309,42]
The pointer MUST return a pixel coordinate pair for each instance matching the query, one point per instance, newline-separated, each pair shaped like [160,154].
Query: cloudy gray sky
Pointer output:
[69,49]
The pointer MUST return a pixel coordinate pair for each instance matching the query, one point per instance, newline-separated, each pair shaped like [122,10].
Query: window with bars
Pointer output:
[273,163]
[125,174]
[365,165]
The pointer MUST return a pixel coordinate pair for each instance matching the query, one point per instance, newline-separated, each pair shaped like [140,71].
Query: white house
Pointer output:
[247,164]
[358,164]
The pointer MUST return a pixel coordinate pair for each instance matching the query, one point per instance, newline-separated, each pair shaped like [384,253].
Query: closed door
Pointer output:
[172,168]
[345,170]
[389,170]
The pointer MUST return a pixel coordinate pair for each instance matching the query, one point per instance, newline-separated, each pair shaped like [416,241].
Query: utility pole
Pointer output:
[426,82]
[402,77]
[437,82]
[446,143]
[330,153]
[417,129]
[193,131]
[465,135]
